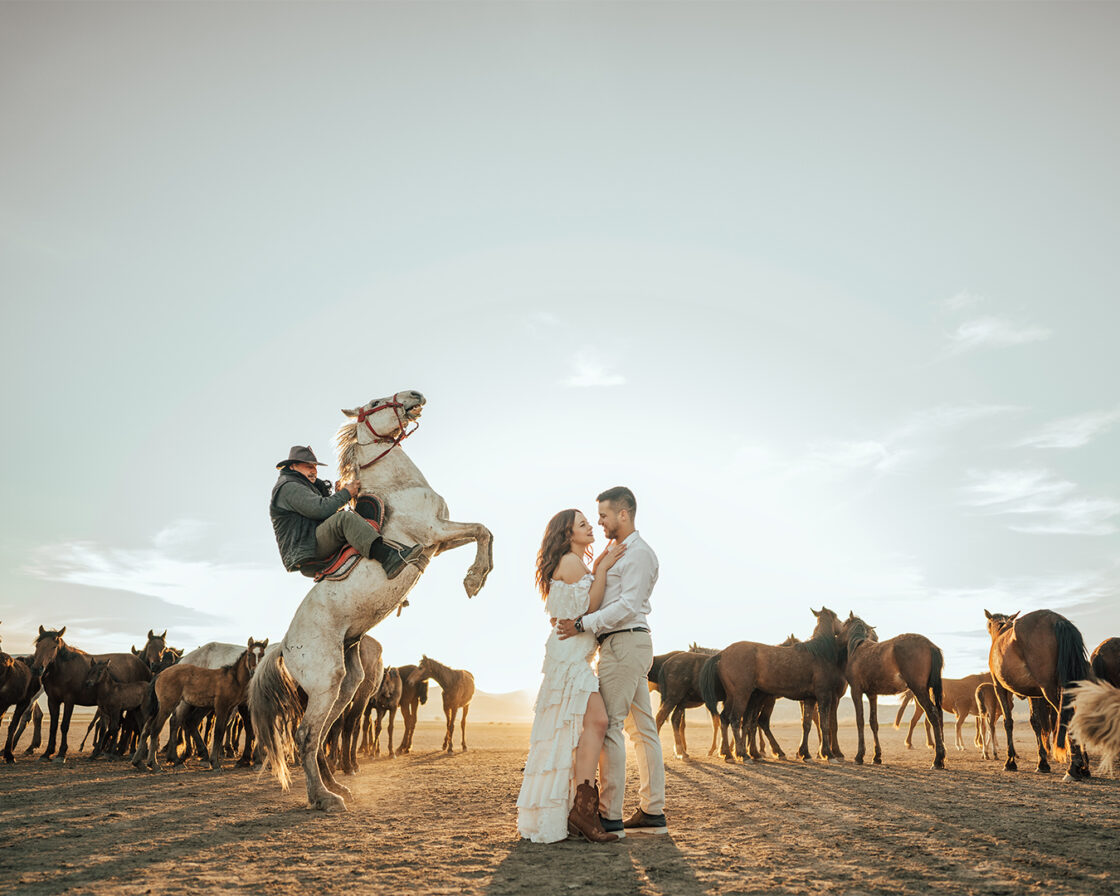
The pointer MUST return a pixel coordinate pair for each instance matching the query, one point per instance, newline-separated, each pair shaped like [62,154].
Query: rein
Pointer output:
[378,438]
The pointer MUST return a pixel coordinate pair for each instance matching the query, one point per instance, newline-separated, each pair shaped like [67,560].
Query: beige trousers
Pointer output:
[624,661]
[344,527]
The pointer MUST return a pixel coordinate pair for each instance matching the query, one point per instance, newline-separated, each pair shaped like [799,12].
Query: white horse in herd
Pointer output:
[319,652]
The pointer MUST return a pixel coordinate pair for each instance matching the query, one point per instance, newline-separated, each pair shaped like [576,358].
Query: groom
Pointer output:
[625,656]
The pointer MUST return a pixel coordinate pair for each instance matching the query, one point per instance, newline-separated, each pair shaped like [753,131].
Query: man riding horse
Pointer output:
[309,527]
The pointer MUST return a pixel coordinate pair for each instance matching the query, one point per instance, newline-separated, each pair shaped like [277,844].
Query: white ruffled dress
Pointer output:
[549,787]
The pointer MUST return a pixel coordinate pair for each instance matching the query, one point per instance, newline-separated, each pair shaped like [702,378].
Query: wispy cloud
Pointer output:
[1072,432]
[590,371]
[963,299]
[1041,502]
[993,332]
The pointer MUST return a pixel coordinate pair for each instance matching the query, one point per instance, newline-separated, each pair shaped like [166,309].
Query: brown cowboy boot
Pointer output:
[583,820]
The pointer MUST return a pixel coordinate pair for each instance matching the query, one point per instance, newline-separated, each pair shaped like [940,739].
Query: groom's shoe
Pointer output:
[612,826]
[644,823]
[583,820]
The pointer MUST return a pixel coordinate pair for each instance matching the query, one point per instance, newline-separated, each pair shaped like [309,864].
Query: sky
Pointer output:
[832,287]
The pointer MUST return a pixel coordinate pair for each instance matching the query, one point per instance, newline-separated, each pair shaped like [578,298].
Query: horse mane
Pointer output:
[858,632]
[696,648]
[346,447]
[822,645]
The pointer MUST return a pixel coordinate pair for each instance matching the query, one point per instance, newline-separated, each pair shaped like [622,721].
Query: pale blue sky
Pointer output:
[830,286]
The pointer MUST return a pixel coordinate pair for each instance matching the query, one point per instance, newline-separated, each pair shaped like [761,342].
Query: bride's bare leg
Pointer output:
[591,740]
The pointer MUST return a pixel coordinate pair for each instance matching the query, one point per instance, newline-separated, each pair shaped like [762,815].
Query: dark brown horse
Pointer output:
[676,677]
[221,690]
[744,674]
[1105,661]
[114,698]
[1039,655]
[890,667]
[18,687]
[458,691]
[386,701]
[413,695]
[63,670]
[153,650]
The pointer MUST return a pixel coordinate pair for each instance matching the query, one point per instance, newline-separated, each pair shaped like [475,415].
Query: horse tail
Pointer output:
[1096,720]
[711,688]
[906,698]
[1073,665]
[274,707]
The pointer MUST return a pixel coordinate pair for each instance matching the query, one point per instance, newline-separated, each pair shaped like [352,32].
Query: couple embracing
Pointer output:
[579,717]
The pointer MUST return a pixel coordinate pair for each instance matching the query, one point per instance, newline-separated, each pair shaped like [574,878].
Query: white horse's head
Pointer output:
[387,419]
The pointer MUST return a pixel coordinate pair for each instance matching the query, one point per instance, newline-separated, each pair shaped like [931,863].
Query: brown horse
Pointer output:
[1039,655]
[988,709]
[1105,661]
[958,696]
[676,677]
[222,690]
[153,650]
[18,687]
[458,691]
[114,698]
[874,668]
[386,701]
[63,670]
[744,674]
[413,694]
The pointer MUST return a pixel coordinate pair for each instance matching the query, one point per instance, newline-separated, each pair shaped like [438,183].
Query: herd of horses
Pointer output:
[204,695]
[1038,656]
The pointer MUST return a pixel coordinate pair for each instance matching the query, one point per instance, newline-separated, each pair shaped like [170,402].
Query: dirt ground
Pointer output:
[431,823]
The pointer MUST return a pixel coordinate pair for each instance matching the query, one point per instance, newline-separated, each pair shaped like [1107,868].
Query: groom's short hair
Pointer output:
[620,497]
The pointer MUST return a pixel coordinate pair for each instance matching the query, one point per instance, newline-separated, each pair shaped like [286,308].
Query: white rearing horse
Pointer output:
[319,651]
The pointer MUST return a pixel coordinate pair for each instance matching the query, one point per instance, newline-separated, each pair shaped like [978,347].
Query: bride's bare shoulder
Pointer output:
[570,569]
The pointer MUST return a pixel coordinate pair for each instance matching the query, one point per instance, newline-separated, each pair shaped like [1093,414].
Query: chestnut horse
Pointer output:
[63,670]
[222,690]
[458,691]
[904,661]
[958,696]
[744,674]
[413,695]
[1039,655]
[1105,661]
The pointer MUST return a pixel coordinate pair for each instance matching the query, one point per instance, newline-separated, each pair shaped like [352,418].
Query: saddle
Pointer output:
[341,563]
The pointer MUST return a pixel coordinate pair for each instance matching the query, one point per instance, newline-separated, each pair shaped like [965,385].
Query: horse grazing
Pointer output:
[676,677]
[63,670]
[319,651]
[413,694]
[222,690]
[458,691]
[18,687]
[1096,720]
[958,696]
[1039,655]
[874,668]
[744,674]
[1105,661]
[113,699]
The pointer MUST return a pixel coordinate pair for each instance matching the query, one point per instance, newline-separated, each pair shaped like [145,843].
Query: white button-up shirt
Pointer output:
[629,585]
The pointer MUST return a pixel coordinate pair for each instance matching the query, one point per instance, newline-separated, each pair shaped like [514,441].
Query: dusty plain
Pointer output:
[431,823]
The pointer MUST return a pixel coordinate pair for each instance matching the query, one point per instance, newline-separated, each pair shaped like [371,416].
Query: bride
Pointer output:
[559,795]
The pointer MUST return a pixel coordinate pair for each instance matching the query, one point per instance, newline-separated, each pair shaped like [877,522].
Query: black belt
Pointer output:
[621,631]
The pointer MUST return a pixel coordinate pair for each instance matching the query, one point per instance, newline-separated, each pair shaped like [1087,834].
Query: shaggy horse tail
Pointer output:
[1096,720]
[711,688]
[906,698]
[274,707]
[1073,665]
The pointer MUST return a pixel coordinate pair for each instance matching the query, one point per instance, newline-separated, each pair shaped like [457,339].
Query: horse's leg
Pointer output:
[873,722]
[918,715]
[463,728]
[53,704]
[246,760]
[157,726]
[321,684]
[389,733]
[806,727]
[377,734]
[448,746]
[446,535]
[857,702]
[677,723]
[960,725]
[826,709]
[1037,724]
[715,735]
[222,709]
[764,722]
[1006,703]
[67,712]
[933,713]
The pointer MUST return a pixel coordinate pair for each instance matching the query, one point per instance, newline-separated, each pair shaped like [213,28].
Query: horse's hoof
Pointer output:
[1010,766]
[938,763]
[329,802]
[858,760]
[1043,769]
[878,760]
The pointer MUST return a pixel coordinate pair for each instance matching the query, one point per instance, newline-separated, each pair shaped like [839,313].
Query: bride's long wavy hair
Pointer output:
[556,543]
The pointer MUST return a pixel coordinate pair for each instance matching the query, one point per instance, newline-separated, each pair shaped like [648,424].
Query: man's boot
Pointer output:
[393,557]
[583,820]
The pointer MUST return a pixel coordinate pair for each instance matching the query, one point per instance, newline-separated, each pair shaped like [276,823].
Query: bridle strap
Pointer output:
[402,432]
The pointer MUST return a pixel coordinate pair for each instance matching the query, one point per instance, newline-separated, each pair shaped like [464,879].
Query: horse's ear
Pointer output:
[350,413]
[814,612]
[42,631]
[151,634]
[263,643]
[1014,615]
[987,614]
[62,631]
[135,652]
[164,635]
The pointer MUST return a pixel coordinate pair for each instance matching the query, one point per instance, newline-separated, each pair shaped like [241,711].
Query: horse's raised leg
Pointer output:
[446,535]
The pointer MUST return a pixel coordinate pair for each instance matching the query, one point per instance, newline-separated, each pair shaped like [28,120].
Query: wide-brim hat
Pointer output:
[300,454]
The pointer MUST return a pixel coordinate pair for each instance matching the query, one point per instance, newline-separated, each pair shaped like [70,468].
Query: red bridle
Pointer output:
[378,438]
